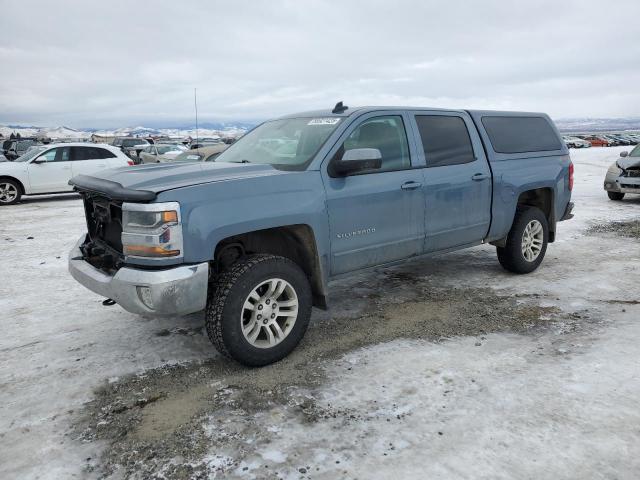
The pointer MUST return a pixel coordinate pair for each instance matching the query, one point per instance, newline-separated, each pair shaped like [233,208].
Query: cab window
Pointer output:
[386,134]
[445,140]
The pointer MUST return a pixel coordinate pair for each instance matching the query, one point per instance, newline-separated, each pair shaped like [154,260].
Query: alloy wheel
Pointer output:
[532,240]
[8,192]
[269,313]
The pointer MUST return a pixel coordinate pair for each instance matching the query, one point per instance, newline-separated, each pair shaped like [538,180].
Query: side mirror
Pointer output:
[37,161]
[358,160]
[624,154]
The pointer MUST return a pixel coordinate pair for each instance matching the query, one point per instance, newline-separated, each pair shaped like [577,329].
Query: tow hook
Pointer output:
[108,302]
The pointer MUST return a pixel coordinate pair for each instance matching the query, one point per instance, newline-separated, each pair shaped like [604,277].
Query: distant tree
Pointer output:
[18,137]
[12,136]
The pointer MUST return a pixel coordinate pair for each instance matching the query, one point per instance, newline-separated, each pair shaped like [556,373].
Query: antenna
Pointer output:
[339,108]
[195,102]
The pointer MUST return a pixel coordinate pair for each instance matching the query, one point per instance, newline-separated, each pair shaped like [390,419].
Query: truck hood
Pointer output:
[160,177]
[628,162]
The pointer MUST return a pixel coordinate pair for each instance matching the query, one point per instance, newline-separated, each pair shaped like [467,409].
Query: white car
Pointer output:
[575,142]
[48,168]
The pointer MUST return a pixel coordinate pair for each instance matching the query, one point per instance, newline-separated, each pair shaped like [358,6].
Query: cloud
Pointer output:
[121,63]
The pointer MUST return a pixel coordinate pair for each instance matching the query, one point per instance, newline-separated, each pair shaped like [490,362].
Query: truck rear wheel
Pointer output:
[526,242]
[258,311]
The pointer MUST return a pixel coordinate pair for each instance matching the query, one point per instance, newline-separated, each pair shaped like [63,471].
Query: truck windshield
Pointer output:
[289,143]
[635,152]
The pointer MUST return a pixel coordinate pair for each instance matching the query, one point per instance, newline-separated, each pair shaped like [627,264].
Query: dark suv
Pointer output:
[131,146]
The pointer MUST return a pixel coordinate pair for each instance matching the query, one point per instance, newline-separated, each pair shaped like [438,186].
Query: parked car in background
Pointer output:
[204,154]
[614,140]
[131,146]
[621,139]
[18,148]
[596,141]
[204,142]
[160,153]
[48,168]
[630,138]
[575,142]
[254,237]
[624,175]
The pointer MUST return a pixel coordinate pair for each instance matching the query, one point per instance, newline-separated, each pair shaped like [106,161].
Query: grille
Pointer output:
[104,221]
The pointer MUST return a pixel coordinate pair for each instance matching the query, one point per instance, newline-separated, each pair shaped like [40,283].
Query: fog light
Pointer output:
[144,293]
[608,185]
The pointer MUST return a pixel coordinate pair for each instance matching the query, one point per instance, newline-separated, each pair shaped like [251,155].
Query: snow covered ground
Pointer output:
[553,402]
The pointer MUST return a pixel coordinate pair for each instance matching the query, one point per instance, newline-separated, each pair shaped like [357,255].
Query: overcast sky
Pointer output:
[113,63]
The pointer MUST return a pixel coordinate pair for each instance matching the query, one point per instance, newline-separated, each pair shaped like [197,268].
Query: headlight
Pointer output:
[614,169]
[152,230]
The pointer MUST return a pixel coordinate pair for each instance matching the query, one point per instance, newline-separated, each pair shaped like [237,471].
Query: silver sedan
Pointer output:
[160,153]
[624,175]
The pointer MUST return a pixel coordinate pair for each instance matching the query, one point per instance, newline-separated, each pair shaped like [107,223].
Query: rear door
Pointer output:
[87,160]
[377,216]
[51,171]
[457,180]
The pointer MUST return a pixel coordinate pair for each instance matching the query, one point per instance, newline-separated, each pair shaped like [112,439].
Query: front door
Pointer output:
[457,180]
[51,171]
[376,216]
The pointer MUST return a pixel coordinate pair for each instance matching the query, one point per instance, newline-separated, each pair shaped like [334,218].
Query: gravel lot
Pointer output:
[445,367]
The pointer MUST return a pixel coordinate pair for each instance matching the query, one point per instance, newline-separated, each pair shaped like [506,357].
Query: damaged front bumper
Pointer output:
[173,291]
[622,184]
[623,176]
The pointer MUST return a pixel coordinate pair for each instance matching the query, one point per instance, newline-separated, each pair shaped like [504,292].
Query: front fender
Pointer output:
[214,211]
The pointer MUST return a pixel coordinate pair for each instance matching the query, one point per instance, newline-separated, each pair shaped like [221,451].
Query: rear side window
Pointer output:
[104,153]
[521,134]
[81,153]
[445,140]
[90,153]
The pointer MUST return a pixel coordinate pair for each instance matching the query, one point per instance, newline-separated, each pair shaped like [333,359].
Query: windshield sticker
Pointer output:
[324,121]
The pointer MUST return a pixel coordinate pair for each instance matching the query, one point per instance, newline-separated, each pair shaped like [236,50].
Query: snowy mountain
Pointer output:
[62,132]
[597,124]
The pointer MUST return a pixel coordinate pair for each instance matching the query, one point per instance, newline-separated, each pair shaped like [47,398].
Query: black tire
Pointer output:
[615,196]
[227,295]
[510,256]
[16,186]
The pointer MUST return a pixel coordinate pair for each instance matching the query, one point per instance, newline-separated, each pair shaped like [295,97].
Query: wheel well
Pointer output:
[295,242]
[20,185]
[541,198]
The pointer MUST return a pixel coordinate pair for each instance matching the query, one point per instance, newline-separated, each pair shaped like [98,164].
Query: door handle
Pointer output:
[66,167]
[101,165]
[410,185]
[479,176]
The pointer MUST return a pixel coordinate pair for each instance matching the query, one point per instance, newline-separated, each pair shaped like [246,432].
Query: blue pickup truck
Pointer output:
[254,237]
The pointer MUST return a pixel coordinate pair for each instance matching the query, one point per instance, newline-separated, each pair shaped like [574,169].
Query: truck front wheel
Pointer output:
[258,310]
[526,242]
